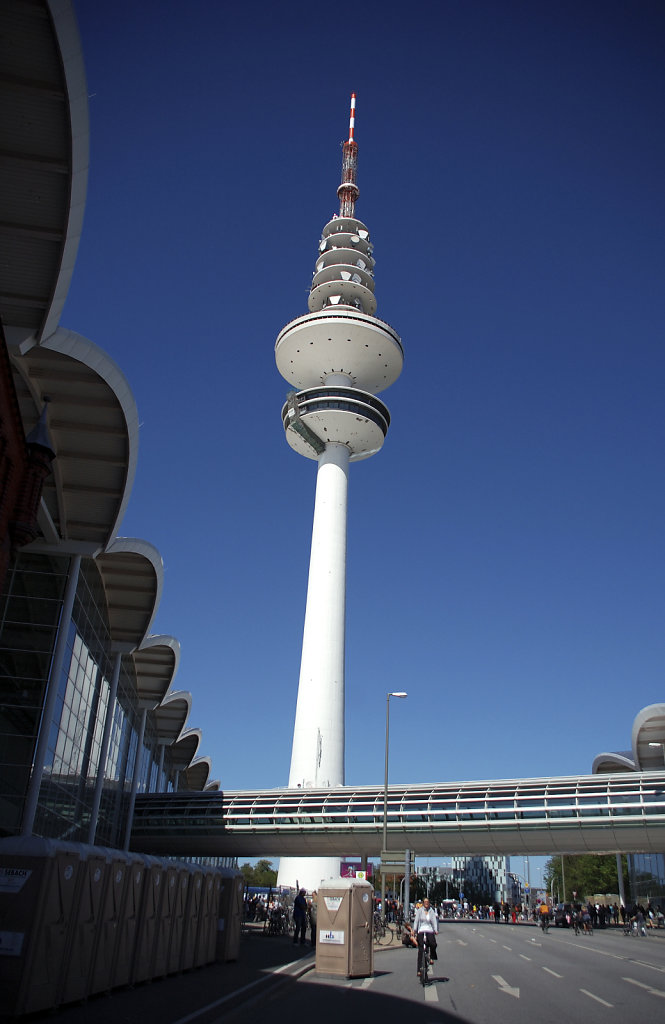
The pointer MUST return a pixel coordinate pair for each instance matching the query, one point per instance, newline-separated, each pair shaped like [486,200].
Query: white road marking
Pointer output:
[367,982]
[461,942]
[431,994]
[525,957]
[494,941]
[647,988]
[552,972]
[505,987]
[617,956]
[600,952]
[509,948]
[597,998]
[652,967]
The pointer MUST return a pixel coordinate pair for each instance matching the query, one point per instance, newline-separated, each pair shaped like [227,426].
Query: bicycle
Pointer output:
[382,932]
[426,963]
[544,922]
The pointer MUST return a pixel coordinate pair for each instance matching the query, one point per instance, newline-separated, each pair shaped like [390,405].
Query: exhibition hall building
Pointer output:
[89,713]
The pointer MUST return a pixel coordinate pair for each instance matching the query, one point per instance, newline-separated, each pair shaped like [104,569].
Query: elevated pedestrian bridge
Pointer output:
[614,813]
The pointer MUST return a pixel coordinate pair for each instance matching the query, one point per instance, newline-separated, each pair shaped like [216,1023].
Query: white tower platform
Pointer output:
[339,356]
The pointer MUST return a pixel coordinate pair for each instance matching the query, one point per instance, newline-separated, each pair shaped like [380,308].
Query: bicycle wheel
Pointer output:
[424,974]
[382,934]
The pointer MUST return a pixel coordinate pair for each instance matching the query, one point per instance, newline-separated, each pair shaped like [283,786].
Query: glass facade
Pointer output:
[29,617]
[647,877]
[31,612]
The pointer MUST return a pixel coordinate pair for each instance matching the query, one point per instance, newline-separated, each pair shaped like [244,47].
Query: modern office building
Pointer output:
[489,875]
[647,753]
[336,358]
[89,715]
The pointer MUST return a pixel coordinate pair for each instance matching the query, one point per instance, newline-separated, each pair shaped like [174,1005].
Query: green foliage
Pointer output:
[418,888]
[587,874]
[261,873]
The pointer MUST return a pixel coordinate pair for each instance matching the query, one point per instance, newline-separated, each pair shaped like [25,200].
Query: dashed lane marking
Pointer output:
[525,957]
[431,994]
[652,967]
[509,948]
[461,942]
[367,982]
[610,1006]
[647,988]
[552,972]
[617,956]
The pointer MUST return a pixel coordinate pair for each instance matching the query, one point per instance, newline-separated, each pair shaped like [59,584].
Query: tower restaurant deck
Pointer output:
[615,813]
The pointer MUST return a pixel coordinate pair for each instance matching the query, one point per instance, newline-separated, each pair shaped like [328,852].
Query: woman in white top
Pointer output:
[426,926]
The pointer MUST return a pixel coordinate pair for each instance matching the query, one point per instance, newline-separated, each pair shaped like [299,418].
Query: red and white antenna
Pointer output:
[352,116]
[348,191]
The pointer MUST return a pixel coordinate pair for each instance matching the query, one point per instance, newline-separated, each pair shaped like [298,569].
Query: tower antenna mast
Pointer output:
[348,191]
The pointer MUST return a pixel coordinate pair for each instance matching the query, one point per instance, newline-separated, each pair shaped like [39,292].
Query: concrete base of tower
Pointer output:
[307,872]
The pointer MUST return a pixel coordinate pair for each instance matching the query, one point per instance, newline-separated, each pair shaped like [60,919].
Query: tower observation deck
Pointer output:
[336,358]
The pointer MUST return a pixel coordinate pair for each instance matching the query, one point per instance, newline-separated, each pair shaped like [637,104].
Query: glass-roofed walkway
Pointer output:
[622,812]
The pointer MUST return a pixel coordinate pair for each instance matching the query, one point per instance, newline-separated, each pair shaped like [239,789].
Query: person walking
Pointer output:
[426,927]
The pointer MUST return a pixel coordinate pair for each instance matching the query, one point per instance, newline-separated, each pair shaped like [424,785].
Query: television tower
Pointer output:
[337,358]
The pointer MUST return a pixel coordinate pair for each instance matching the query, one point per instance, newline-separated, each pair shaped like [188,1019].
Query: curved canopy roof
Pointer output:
[613,761]
[44,161]
[198,773]
[185,749]
[93,425]
[155,663]
[648,745]
[649,728]
[133,574]
[172,714]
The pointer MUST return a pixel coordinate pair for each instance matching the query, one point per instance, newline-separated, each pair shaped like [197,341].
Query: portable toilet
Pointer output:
[86,913]
[344,942]
[109,927]
[39,881]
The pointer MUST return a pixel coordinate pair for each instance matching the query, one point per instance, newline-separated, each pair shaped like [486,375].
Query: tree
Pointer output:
[418,888]
[587,874]
[261,873]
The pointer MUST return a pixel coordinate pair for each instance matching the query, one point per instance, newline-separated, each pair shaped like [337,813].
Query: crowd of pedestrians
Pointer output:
[586,916]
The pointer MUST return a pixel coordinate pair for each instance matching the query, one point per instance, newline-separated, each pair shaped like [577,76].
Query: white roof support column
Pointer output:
[135,777]
[103,754]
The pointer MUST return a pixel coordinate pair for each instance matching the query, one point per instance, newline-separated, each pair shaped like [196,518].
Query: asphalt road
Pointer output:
[489,974]
[485,974]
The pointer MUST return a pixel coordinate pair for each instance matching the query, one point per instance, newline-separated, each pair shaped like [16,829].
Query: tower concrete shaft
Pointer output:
[336,358]
[317,757]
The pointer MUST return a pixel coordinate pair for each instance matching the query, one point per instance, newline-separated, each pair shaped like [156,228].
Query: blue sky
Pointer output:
[506,555]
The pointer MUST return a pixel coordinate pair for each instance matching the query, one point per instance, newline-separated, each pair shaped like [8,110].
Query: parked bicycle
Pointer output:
[383,933]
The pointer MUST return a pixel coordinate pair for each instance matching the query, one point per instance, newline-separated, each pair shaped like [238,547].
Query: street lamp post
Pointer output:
[398,693]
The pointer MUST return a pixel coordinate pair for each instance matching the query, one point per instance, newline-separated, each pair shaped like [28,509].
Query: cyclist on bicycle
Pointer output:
[544,916]
[426,927]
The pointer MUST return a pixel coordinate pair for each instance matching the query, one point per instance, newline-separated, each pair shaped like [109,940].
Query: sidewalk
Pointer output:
[198,996]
